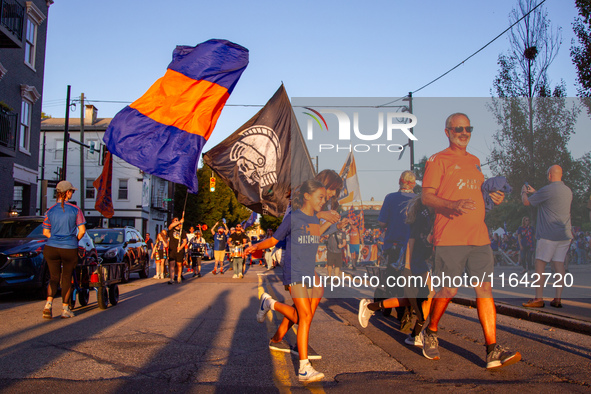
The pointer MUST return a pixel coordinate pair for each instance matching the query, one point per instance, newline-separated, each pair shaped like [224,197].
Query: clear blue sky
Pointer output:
[114,50]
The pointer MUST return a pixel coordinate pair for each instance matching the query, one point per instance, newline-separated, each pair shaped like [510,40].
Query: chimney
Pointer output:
[90,115]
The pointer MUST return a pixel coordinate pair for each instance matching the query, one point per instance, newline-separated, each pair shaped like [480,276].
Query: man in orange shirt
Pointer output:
[452,186]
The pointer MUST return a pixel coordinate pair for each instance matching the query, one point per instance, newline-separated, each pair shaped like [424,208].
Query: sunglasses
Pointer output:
[459,129]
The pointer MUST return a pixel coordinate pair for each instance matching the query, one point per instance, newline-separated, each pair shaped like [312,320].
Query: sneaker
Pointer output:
[67,313]
[264,307]
[47,313]
[221,271]
[281,346]
[170,282]
[157,276]
[556,304]
[215,272]
[364,313]
[534,304]
[430,345]
[199,275]
[414,341]
[501,357]
[240,276]
[309,374]
[234,276]
[312,355]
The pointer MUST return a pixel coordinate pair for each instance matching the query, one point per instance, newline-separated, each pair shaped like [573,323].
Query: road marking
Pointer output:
[280,360]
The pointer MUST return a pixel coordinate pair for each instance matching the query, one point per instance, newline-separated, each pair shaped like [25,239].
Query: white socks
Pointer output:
[304,364]
[271,302]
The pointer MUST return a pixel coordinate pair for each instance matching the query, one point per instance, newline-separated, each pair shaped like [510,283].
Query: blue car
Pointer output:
[22,266]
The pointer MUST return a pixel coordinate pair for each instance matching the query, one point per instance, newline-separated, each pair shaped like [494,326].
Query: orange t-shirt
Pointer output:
[354,236]
[454,177]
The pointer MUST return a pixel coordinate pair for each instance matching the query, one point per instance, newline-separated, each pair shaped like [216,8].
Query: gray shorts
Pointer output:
[453,261]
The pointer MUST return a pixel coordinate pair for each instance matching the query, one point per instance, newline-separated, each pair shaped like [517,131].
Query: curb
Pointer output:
[565,323]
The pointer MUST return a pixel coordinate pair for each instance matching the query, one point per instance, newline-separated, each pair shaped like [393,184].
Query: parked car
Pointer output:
[22,266]
[125,244]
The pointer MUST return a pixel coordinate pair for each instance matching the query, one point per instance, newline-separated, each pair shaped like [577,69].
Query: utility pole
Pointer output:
[66,137]
[82,182]
[411,144]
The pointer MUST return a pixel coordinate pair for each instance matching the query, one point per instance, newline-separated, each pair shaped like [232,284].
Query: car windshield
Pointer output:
[106,237]
[21,228]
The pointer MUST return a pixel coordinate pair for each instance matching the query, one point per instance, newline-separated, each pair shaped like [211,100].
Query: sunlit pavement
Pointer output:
[202,336]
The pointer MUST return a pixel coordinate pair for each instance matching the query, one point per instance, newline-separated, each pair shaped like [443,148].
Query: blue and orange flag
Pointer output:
[164,131]
[103,186]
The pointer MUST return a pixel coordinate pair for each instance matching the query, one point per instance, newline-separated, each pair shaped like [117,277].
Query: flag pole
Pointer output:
[184,208]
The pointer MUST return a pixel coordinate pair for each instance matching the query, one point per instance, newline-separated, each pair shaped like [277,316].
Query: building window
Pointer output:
[34,19]
[30,41]
[94,155]
[89,189]
[25,129]
[17,198]
[59,150]
[122,189]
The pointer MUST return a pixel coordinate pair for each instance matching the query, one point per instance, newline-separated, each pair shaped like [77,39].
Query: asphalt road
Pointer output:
[202,336]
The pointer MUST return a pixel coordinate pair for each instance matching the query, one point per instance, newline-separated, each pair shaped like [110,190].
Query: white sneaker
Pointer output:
[308,374]
[67,313]
[241,276]
[264,307]
[157,276]
[364,313]
[234,276]
[416,341]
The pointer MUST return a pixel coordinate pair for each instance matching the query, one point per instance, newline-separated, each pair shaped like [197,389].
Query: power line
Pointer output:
[463,61]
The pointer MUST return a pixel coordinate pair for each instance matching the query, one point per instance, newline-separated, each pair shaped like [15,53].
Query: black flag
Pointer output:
[263,158]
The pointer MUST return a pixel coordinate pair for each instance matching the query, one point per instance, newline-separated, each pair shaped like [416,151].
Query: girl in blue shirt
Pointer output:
[302,229]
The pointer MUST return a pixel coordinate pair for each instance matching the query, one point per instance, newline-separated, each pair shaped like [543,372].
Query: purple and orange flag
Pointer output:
[103,186]
[164,131]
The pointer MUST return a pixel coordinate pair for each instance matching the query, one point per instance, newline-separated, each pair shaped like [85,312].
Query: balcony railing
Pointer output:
[7,129]
[12,16]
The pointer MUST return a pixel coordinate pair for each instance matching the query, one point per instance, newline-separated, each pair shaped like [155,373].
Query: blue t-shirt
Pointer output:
[63,224]
[305,239]
[219,241]
[393,213]
[283,235]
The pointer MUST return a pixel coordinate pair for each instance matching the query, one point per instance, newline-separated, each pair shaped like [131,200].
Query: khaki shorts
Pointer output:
[548,251]
[219,255]
[453,261]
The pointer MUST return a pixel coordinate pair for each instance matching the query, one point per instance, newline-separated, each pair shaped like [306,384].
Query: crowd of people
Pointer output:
[436,233]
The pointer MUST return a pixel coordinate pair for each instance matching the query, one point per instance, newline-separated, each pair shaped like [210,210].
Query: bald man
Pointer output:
[553,231]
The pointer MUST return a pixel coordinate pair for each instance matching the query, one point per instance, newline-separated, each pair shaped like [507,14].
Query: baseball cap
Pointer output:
[220,228]
[64,186]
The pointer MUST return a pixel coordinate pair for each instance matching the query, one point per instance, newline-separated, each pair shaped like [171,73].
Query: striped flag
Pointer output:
[103,185]
[351,191]
[164,131]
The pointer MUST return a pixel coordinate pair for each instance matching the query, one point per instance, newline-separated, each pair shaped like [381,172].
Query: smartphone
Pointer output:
[526,184]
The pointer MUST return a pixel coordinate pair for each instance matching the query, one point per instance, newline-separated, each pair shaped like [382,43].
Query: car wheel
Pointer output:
[126,272]
[102,297]
[145,272]
[83,297]
[45,277]
[114,294]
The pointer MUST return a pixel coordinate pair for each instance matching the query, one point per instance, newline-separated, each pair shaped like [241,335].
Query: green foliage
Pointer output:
[270,222]
[535,121]
[207,207]
[581,54]
[419,169]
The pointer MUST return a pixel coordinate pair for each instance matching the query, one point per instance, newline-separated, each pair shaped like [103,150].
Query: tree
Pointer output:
[208,207]
[581,54]
[536,122]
